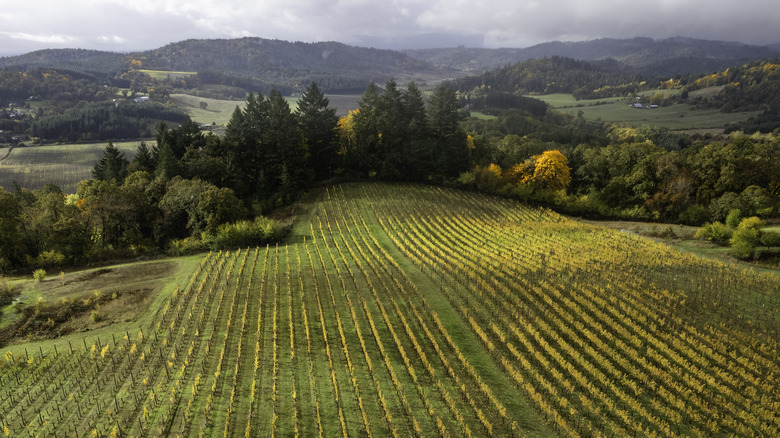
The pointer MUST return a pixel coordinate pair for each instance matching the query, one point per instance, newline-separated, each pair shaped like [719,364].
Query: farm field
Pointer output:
[63,165]
[219,111]
[678,117]
[404,310]
[165,74]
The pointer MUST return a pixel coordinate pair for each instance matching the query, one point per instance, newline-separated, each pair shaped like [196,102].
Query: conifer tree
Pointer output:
[144,160]
[112,166]
[418,155]
[449,139]
[317,122]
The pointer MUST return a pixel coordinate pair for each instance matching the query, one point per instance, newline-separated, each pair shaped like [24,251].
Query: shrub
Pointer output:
[95,316]
[245,233]
[733,218]
[190,245]
[39,275]
[770,238]
[695,215]
[7,294]
[751,223]
[488,179]
[744,241]
[714,231]
[49,259]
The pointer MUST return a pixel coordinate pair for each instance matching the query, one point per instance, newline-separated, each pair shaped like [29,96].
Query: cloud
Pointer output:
[39,38]
[112,39]
[145,24]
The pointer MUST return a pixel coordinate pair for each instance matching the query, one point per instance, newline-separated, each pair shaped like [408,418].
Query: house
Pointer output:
[637,105]
[141,99]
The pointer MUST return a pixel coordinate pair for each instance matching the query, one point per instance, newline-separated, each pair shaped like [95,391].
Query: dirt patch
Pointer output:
[84,301]
[668,232]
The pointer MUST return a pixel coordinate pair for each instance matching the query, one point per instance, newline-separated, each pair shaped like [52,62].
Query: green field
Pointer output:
[678,117]
[63,165]
[402,310]
[219,111]
[164,74]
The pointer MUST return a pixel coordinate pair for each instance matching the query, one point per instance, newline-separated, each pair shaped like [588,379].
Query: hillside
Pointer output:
[246,62]
[264,63]
[554,75]
[93,62]
[285,62]
[399,310]
[667,57]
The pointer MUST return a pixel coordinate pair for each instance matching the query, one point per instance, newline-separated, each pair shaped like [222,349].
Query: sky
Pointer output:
[132,25]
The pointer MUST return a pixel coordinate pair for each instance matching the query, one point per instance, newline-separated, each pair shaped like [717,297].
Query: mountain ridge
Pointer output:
[253,62]
[677,55]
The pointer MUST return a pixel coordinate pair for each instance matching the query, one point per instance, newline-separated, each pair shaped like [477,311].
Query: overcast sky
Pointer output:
[129,25]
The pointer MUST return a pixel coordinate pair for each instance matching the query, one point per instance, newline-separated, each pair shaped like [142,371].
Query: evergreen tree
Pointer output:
[284,146]
[168,165]
[112,166]
[243,145]
[449,140]
[144,159]
[418,155]
[317,122]
[391,124]
[366,128]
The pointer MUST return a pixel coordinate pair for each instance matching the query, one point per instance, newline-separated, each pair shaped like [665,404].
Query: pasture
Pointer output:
[677,117]
[31,167]
[165,74]
[219,111]
[403,310]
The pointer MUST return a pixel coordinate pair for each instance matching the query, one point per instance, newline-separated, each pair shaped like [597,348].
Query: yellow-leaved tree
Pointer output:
[550,172]
[346,132]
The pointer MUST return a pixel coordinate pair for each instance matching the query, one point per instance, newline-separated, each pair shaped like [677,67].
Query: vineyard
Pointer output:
[63,165]
[399,310]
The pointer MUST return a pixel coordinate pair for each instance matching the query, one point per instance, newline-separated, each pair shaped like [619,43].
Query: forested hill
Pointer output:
[750,87]
[92,62]
[666,57]
[248,56]
[554,75]
[281,64]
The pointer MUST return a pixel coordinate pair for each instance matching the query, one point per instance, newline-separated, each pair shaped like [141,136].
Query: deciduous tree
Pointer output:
[551,172]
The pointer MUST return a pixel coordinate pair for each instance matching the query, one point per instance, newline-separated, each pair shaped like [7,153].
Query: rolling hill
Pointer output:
[342,68]
[667,57]
[247,61]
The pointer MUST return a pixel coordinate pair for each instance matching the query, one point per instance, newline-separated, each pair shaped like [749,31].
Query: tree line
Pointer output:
[103,121]
[192,191]
[585,80]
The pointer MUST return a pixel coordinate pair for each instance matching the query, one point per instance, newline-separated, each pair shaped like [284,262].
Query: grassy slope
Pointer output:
[218,111]
[30,291]
[678,117]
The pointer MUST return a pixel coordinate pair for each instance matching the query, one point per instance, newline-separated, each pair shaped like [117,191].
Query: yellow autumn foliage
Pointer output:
[551,171]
